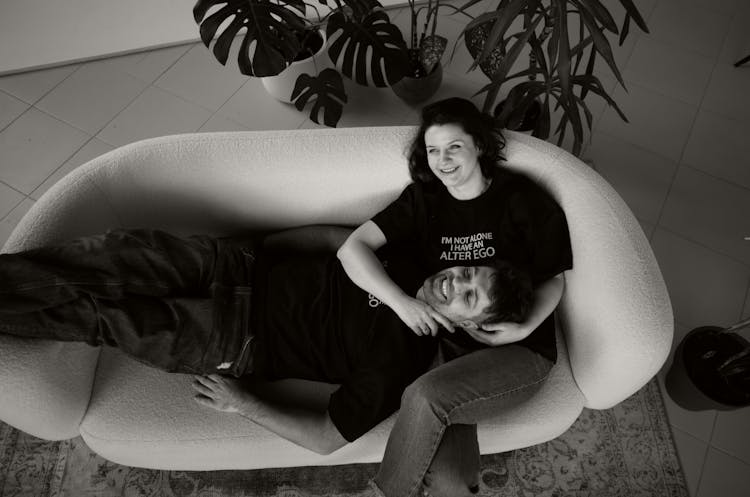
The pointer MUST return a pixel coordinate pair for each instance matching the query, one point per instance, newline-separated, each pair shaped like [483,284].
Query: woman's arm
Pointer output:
[546,297]
[357,256]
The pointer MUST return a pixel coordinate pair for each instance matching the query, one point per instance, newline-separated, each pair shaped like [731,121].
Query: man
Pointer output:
[211,306]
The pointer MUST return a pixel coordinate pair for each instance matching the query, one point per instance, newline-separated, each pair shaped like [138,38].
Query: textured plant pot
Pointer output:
[692,380]
[281,86]
[417,90]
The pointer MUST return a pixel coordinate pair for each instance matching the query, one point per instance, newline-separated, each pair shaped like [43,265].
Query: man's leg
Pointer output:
[111,265]
[128,288]
[461,392]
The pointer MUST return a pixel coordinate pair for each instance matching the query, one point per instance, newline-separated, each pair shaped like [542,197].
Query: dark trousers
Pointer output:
[178,304]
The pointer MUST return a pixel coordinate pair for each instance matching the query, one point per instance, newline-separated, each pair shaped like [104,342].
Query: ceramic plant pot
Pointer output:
[416,90]
[281,86]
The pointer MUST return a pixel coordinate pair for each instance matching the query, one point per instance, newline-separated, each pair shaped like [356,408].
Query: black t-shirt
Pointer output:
[314,323]
[514,219]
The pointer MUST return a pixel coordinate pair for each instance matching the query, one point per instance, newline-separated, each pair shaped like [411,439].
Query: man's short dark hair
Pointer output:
[511,294]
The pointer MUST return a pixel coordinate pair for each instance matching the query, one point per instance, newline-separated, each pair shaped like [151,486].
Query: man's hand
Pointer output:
[220,393]
[421,317]
[499,333]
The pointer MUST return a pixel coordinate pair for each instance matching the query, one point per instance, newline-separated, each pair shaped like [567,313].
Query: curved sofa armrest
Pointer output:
[615,311]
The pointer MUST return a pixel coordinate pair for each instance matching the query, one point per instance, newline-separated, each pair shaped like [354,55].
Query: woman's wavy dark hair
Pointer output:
[483,129]
[511,294]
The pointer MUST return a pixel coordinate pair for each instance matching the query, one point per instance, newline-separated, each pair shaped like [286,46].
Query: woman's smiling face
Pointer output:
[454,159]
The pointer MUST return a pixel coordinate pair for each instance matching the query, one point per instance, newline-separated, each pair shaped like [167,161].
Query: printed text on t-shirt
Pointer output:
[467,248]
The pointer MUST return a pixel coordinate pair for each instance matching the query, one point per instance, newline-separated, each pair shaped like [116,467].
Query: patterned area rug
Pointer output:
[627,451]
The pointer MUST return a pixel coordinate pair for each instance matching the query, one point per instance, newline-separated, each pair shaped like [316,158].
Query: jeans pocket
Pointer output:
[228,351]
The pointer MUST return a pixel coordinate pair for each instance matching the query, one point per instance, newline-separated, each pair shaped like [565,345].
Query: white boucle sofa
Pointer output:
[615,321]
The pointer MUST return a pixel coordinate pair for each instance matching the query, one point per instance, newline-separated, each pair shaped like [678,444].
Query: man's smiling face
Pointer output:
[460,293]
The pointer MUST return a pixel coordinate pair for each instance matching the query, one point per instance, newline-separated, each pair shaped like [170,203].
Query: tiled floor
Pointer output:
[682,163]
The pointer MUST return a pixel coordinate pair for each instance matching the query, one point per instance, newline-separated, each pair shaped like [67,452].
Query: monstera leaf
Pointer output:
[327,92]
[369,50]
[272,27]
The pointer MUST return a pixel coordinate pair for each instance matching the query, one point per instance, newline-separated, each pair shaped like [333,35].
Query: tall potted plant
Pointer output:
[363,44]
[555,72]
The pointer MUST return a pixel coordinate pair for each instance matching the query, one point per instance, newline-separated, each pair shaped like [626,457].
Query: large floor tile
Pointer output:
[9,222]
[724,476]
[255,109]
[92,96]
[737,43]
[690,25]
[731,433]
[669,69]
[710,210]
[720,146]
[641,177]
[31,86]
[727,92]
[657,122]
[33,146]
[692,454]
[730,7]
[154,113]
[9,198]
[218,123]
[705,287]
[148,65]
[94,148]
[10,108]
[200,78]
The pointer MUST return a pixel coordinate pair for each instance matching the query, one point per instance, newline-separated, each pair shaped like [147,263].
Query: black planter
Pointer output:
[699,377]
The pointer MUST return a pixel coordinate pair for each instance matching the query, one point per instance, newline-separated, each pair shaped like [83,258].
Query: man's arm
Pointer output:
[314,238]
[310,429]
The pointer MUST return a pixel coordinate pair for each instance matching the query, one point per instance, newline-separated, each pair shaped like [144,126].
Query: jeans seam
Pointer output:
[495,396]
[433,449]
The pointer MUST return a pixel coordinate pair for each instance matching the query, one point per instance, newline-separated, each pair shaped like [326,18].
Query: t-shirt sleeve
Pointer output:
[399,219]
[544,227]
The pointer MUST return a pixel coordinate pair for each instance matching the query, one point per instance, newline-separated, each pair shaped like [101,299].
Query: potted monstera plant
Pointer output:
[562,59]
[362,44]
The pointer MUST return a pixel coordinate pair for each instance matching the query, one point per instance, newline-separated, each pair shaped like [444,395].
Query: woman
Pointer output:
[462,207]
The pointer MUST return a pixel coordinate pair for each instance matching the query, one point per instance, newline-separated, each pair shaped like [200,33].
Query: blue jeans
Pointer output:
[432,449]
[178,304]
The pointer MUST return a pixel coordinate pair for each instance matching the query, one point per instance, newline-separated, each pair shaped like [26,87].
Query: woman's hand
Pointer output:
[421,317]
[218,392]
[499,333]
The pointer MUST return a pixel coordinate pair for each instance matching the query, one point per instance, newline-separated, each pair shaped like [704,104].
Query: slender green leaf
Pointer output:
[602,44]
[600,12]
[543,124]
[589,70]
[515,50]
[625,29]
[632,11]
